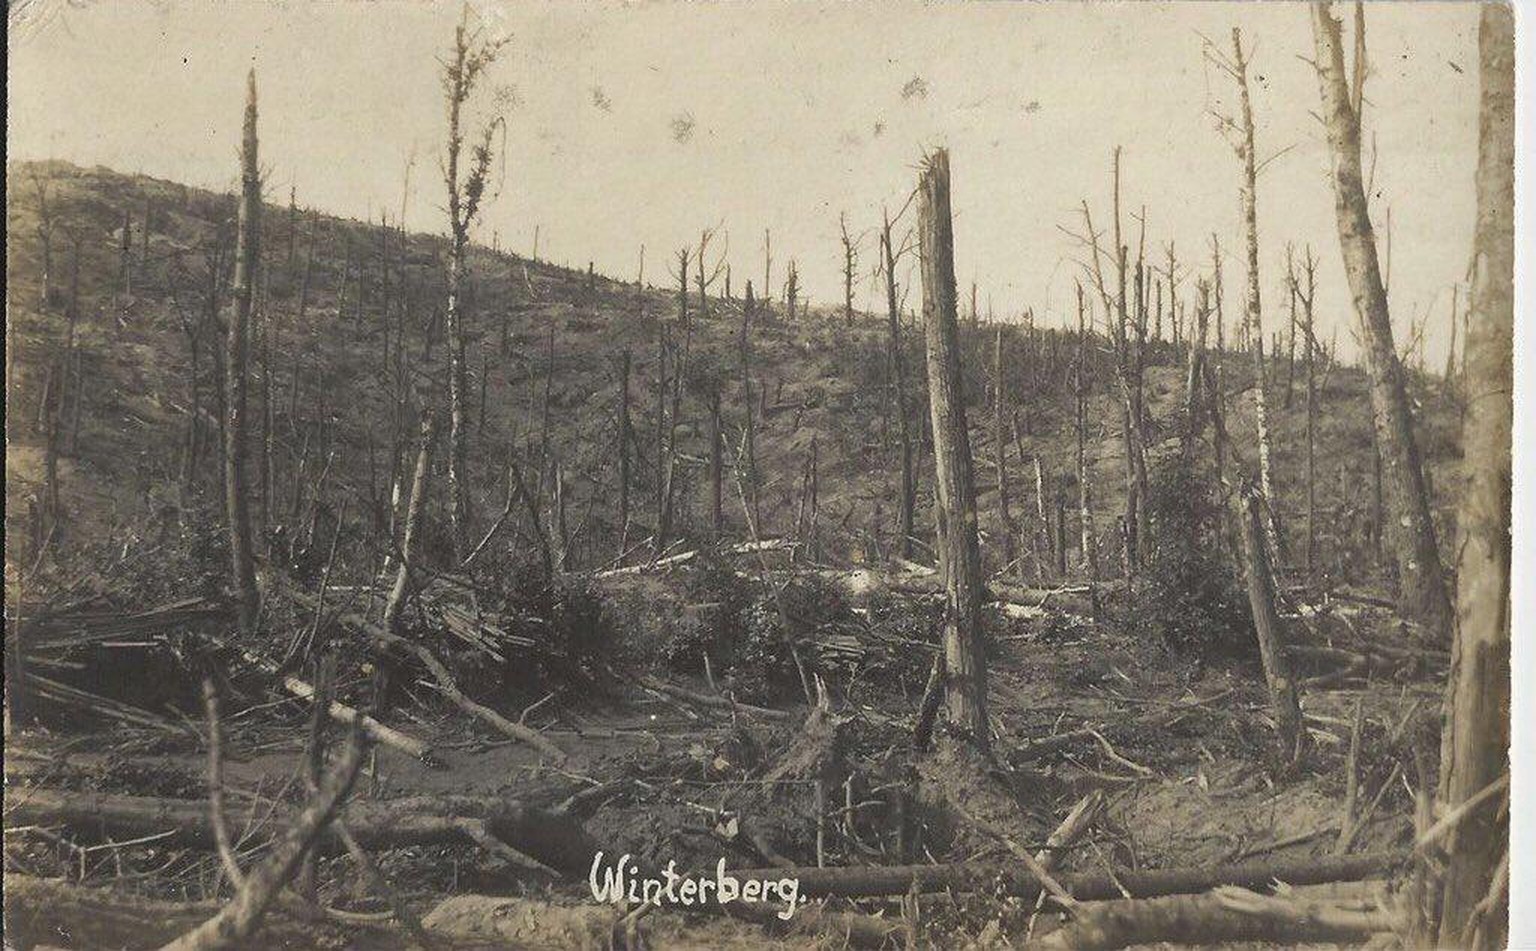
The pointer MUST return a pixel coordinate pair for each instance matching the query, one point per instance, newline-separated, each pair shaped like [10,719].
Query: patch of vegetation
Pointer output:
[1192,600]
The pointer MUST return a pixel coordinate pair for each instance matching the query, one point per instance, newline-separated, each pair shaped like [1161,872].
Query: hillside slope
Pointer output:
[338,394]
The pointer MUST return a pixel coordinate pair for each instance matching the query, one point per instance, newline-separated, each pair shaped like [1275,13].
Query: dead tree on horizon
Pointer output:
[247,254]
[791,290]
[707,280]
[461,71]
[1474,891]
[1422,594]
[850,262]
[965,671]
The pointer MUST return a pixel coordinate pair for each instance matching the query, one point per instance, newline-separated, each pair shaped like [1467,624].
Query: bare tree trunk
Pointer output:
[749,433]
[293,224]
[1254,315]
[1422,591]
[965,666]
[247,253]
[1309,356]
[850,260]
[461,70]
[1290,350]
[53,385]
[413,510]
[1042,533]
[1000,450]
[125,257]
[1450,350]
[149,214]
[1266,623]
[658,541]
[268,476]
[457,430]
[624,463]
[767,267]
[1475,741]
[1192,373]
[716,458]
[899,397]
[562,532]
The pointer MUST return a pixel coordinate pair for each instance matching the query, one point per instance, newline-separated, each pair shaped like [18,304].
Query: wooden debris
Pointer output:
[1224,916]
[898,879]
[557,840]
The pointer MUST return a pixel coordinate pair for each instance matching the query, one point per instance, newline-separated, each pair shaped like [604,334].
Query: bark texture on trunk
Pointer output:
[247,253]
[1253,310]
[1475,741]
[1266,622]
[418,500]
[1422,591]
[965,665]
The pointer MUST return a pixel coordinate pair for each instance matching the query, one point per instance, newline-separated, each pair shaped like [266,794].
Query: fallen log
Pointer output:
[242,915]
[450,687]
[554,839]
[895,880]
[338,711]
[711,701]
[1225,916]
[682,558]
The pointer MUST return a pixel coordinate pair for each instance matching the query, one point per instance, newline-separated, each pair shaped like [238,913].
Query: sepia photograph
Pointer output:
[497,474]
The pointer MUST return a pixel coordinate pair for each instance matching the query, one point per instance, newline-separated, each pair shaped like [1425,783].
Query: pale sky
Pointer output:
[798,111]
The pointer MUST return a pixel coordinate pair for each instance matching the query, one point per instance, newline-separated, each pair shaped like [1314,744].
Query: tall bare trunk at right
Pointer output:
[247,253]
[965,671]
[1422,594]
[1475,742]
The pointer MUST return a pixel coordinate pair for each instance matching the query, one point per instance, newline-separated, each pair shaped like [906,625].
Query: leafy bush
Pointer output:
[712,622]
[1192,599]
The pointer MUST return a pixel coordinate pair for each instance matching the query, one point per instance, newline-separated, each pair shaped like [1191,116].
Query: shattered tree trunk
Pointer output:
[414,507]
[1475,742]
[1422,594]
[247,253]
[1266,622]
[899,398]
[965,667]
